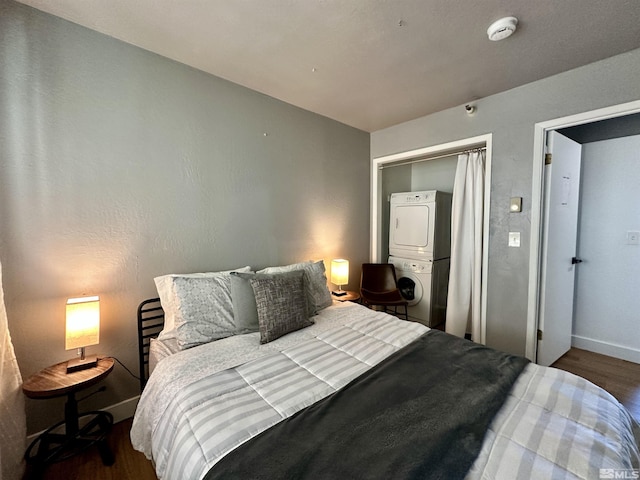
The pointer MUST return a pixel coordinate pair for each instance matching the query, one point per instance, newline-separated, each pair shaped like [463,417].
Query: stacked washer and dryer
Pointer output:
[419,248]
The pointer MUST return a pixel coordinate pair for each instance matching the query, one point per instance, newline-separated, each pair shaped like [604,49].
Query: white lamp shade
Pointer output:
[339,271]
[83,322]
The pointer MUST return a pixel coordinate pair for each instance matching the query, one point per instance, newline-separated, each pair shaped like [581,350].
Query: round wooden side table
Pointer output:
[350,296]
[77,431]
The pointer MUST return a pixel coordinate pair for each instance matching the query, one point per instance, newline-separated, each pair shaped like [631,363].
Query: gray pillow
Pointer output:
[281,305]
[171,301]
[316,287]
[202,310]
[245,313]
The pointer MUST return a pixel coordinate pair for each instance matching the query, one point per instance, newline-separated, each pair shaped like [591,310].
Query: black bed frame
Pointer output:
[150,323]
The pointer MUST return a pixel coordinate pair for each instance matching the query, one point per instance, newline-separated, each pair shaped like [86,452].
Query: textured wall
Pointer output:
[511,117]
[117,165]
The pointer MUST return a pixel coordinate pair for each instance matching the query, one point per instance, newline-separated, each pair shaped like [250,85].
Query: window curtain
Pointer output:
[467,210]
[13,430]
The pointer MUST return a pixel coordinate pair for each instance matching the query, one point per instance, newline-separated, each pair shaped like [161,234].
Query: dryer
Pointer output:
[423,283]
[420,225]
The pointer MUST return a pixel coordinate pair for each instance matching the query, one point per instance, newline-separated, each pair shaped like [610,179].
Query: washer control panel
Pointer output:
[415,267]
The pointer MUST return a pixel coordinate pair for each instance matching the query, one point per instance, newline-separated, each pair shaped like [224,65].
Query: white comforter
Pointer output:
[203,402]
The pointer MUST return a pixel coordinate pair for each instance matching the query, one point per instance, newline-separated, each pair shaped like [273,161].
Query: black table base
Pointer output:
[55,446]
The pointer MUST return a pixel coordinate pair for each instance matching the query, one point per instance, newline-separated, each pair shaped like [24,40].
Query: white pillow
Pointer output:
[316,284]
[171,301]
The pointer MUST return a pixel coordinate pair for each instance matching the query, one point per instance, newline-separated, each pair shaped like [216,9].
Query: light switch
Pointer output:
[633,238]
[515,206]
[514,239]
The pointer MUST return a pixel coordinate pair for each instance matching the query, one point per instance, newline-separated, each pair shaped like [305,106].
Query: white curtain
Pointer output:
[463,300]
[13,431]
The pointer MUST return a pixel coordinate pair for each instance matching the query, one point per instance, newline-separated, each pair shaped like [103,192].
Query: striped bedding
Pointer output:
[201,403]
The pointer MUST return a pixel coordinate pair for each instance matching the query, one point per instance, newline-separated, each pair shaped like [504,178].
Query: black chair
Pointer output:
[379,287]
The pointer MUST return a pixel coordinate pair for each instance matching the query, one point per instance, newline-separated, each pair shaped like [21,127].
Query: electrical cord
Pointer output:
[124,366]
[103,388]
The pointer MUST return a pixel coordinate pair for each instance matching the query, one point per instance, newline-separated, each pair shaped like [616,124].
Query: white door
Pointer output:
[560,230]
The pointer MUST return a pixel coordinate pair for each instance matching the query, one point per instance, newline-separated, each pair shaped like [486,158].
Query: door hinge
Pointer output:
[547,158]
[539,334]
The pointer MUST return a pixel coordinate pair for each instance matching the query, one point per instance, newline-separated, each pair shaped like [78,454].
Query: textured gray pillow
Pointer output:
[170,301]
[316,287]
[204,311]
[245,313]
[281,305]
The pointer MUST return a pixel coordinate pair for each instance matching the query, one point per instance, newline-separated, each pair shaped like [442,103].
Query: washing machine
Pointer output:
[424,284]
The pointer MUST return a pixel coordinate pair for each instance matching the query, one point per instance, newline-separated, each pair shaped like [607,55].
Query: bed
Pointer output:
[352,393]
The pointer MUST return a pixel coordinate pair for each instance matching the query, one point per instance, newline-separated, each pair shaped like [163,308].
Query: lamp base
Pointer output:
[339,293]
[76,364]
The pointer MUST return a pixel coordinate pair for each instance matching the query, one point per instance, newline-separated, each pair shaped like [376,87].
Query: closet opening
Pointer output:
[428,169]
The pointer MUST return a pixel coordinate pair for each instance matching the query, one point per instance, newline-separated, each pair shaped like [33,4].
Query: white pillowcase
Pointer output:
[174,301]
[316,284]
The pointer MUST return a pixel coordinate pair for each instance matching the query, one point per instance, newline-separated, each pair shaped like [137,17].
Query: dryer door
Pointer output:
[410,287]
[411,229]
[411,225]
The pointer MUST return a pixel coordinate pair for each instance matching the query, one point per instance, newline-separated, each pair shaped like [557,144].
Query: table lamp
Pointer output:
[83,329]
[339,275]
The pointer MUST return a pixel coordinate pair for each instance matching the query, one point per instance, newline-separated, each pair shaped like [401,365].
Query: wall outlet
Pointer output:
[514,239]
[633,238]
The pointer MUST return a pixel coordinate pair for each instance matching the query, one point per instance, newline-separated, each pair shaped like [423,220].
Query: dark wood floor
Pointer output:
[620,378]
[129,463]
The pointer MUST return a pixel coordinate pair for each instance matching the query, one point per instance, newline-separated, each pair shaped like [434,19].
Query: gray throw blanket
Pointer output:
[421,413]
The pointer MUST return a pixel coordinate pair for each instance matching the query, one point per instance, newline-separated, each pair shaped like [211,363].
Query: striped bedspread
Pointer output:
[201,403]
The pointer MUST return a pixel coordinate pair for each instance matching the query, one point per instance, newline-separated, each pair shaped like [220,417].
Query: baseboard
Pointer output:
[606,348]
[120,411]
[123,410]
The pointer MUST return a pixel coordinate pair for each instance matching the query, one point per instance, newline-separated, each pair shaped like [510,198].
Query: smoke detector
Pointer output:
[502,28]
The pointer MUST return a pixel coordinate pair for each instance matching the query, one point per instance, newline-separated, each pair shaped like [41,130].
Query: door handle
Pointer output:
[575,260]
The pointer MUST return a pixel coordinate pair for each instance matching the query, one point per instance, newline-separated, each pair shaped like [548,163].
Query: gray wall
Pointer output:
[117,165]
[510,116]
[436,174]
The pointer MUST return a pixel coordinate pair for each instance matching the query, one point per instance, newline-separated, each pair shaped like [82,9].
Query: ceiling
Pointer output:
[367,63]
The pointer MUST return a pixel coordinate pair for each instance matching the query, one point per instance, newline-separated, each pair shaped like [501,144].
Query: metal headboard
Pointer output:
[150,323]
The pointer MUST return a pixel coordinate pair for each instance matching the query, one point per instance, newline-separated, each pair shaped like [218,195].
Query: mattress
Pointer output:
[201,403]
